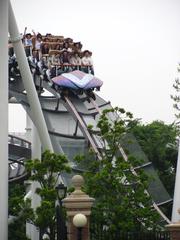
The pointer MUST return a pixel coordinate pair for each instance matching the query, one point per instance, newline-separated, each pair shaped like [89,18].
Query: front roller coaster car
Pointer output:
[77,80]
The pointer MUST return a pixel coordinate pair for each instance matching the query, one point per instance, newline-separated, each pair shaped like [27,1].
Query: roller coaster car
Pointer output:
[77,82]
[67,92]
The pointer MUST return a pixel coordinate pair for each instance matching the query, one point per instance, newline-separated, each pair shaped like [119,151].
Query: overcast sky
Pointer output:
[135,45]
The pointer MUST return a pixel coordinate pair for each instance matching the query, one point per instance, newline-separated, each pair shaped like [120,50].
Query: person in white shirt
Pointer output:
[56,64]
[56,58]
[37,41]
[87,62]
[35,57]
[75,60]
[27,41]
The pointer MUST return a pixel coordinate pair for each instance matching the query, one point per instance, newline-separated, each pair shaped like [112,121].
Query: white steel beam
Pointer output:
[35,106]
[4,120]
[176,199]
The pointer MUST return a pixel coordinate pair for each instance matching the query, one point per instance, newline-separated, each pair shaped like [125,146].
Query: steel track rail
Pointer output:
[72,109]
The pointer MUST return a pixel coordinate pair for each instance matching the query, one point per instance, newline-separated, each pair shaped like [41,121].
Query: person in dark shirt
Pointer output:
[77,47]
[66,47]
[58,47]
[65,60]
[45,48]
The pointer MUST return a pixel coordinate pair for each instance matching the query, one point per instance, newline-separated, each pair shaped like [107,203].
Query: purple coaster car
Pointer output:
[77,80]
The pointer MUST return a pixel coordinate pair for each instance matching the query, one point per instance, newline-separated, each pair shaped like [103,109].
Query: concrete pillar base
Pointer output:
[174,230]
[78,202]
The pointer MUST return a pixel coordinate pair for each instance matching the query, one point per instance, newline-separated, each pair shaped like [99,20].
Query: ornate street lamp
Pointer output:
[79,221]
[61,193]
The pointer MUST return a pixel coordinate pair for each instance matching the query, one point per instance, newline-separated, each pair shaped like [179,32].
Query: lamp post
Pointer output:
[61,193]
[79,221]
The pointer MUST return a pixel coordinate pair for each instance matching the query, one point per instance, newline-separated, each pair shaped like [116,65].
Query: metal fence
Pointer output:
[98,233]
[131,236]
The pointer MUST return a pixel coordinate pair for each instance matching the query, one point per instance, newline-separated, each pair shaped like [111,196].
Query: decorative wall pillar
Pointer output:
[174,229]
[78,202]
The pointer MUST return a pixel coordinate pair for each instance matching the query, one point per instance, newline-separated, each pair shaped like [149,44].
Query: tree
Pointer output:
[121,200]
[159,142]
[46,172]
[176,97]
[19,211]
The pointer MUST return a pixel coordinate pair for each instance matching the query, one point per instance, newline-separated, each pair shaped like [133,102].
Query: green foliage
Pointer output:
[17,230]
[43,171]
[159,142]
[20,209]
[16,198]
[176,98]
[121,201]
[46,173]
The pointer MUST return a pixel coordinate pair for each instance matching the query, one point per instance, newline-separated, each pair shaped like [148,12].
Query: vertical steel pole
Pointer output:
[36,200]
[33,136]
[28,127]
[32,96]
[4,120]
[176,200]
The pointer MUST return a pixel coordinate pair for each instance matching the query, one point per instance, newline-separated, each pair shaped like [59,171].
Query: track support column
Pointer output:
[4,120]
[176,200]
[36,200]
[37,114]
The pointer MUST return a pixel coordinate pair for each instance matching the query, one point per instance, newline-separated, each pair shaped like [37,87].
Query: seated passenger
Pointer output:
[58,47]
[46,39]
[69,40]
[77,47]
[34,59]
[56,68]
[75,60]
[59,40]
[56,58]
[13,67]
[66,47]
[87,63]
[65,60]
[45,48]
[49,35]
[43,65]
[65,57]
[37,41]
[27,41]
[35,66]
[10,49]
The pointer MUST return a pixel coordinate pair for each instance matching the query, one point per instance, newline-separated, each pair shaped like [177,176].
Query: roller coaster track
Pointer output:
[19,151]
[82,124]
[68,118]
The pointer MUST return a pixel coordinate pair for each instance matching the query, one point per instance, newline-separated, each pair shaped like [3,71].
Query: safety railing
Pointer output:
[18,141]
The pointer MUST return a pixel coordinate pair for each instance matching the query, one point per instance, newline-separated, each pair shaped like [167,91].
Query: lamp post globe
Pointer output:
[79,221]
[61,191]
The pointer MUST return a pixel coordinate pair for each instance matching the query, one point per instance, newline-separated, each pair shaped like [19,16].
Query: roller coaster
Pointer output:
[69,104]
